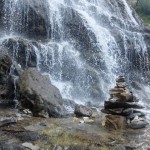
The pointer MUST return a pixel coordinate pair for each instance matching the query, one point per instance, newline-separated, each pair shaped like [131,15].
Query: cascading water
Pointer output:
[83,45]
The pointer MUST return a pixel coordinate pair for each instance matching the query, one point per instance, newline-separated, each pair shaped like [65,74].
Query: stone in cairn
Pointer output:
[123,103]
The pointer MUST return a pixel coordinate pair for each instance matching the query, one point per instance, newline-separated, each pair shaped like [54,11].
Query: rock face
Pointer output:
[31,19]
[38,94]
[61,23]
[123,103]
[6,85]
[22,51]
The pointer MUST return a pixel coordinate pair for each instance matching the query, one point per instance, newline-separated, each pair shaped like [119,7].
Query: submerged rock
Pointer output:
[38,94]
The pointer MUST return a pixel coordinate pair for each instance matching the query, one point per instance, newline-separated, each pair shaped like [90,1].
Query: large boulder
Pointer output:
[38,94]
[6,85]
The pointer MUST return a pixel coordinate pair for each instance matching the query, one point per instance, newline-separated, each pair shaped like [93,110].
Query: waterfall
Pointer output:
[82,44]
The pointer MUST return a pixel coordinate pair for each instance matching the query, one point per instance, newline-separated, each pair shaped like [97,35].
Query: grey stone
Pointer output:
[83,111]
[120,79]
[30,146]
[139,124]
[125,105]
[121,84]
[133,115]
[38,94]
[116,91]
[23,51]
[7,121]
[6,85]
[69,106]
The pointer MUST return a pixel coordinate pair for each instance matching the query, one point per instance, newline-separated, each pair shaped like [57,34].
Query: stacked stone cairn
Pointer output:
[122,108]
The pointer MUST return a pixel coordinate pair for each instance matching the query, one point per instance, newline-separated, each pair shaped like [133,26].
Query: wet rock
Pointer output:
[1,13]
[82,111]
[117,111]
[116,91]
[133,115]
[73,22]
[31,21]
[128,111]
[38,94]
[30,146]
[6,85]
[123,97]
[7,120]
[17,69]
[138,124]
[114,105]
[120,82]
[113,111]
[129,97]
[38,19]
[22,51]
[5,64]
[136,85]
[69,106]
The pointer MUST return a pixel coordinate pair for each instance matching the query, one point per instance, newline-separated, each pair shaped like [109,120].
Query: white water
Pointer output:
[59,57]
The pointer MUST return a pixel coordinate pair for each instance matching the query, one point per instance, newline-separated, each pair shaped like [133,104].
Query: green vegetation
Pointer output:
[142,7]
[145,18]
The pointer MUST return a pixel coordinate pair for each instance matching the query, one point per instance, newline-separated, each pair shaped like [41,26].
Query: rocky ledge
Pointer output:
[34,133]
